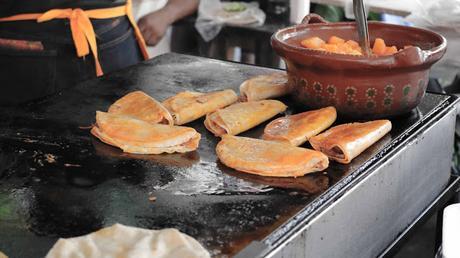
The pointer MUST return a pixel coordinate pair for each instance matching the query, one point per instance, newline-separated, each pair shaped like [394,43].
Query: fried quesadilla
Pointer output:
[187,159]
[188,106]
[139,137]
[343,143]
[264,87]
[141,106]
[297,129]
[268,158]
[240,117]
[311,183]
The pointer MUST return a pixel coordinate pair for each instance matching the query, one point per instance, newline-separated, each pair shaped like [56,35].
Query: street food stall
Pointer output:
[342,154]
[59,181]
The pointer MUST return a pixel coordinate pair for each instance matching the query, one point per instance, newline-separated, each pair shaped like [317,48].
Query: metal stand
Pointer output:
[448,196]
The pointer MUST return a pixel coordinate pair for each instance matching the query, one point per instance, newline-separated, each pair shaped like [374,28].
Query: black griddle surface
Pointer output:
[56,180]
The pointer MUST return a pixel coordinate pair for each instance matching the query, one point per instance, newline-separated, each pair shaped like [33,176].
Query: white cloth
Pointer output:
[299,9]
[129,242]
[451,231]
[442,17]
[143,7]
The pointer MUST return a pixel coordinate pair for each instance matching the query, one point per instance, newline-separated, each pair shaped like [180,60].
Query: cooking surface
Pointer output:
[56,180]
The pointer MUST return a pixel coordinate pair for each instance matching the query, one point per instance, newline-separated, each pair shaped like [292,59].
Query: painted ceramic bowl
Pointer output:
[359,86]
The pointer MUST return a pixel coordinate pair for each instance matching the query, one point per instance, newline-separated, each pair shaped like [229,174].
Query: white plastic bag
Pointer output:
[212,17]
[444,18]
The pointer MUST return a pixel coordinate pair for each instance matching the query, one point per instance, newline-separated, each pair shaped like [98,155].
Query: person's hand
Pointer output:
[153,26]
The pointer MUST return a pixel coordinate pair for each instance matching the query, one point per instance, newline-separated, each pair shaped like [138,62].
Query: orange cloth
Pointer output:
[83,33]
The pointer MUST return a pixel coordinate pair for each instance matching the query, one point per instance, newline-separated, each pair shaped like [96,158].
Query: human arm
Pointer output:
[154,25]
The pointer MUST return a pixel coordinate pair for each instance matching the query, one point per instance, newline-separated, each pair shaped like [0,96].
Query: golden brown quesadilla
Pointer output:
[311,183]
[343,143]
[137,136]
[187,159]
[264,87]
[188,106]
[268,158]
[297,129]
[240,117]
[141,106]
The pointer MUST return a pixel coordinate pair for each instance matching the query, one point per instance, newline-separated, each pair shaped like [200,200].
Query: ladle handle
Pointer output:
[361,22]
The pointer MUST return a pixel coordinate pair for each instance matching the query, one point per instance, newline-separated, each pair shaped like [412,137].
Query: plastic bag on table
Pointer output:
[213,15]
[444,18]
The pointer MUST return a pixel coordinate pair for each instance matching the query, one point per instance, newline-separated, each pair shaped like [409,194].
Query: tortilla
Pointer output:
[297,129]
[139,137]
[175,159]
[264,87]
[2,255]
[267,158]
[141,106]
[240,117]
[311,183]
[129,242]
[345,142]
[188,106]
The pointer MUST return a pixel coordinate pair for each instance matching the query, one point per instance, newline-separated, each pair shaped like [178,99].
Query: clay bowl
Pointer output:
[358,86]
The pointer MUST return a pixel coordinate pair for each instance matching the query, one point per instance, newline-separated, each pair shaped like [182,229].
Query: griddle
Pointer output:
[56,180]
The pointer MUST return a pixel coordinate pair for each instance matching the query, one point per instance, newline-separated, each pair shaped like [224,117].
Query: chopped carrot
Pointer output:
[391,50]
[350,47]
[359,50]
[379,47]
[331,48]
[353,44]
[335,40]
[344,48]
[313,42]
[356,53]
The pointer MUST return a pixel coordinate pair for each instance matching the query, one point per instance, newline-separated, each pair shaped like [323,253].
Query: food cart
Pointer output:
[56,180]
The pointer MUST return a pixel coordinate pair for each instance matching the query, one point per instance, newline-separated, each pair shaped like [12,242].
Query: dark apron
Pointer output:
[27,75]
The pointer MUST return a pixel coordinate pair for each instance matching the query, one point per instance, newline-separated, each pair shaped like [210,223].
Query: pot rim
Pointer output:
[427,56]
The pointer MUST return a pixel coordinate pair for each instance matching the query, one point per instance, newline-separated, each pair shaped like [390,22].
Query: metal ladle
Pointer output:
[361,22]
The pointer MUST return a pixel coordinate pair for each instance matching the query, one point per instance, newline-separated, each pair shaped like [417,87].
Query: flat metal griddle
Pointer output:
[56,180]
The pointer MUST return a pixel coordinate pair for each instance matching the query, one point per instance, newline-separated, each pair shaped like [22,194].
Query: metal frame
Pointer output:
[437,206]
[296,240]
